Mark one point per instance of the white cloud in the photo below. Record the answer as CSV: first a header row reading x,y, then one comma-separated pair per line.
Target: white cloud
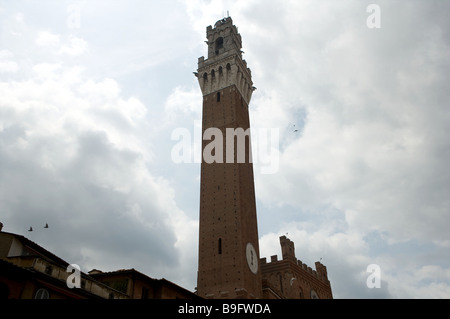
x,y
75,154
47,70
68,45
7,65
75,46
46,38
182,103
108,88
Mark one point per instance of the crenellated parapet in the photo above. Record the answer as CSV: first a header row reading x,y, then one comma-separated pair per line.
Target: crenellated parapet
x,y
320,272
291,278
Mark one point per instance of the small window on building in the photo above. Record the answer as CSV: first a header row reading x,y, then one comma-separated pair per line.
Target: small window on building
x,y
213,74
205,76
280,277
220,246
48,269
42,294
144,294
220,70
313,294
218,96
228,66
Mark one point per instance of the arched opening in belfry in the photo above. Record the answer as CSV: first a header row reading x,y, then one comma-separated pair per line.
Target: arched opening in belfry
x,y
219,44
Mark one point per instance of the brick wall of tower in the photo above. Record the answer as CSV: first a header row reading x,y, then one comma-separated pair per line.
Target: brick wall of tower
x,y
227,209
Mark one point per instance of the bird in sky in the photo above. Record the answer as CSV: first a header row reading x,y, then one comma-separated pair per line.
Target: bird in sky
x,y
46,225
31,229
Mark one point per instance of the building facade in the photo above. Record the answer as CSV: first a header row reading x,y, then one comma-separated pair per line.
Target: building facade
x,y
137,285
29,271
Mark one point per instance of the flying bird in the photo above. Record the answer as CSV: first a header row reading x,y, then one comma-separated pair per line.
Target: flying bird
x,y
31,229
46,225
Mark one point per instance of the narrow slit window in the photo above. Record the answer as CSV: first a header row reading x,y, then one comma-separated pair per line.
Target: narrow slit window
x,y
220,246
218,96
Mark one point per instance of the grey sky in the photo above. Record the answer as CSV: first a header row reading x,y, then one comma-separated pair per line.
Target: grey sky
x,y
91,91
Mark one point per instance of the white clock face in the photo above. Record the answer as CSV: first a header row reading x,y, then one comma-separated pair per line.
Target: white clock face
x,y
252,258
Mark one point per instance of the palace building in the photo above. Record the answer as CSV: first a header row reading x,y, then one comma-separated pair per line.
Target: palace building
x,y
229,265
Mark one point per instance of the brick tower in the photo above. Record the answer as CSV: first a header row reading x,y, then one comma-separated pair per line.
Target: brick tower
x,y
228,238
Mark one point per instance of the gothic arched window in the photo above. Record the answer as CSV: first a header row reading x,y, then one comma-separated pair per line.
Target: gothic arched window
x,y
219,44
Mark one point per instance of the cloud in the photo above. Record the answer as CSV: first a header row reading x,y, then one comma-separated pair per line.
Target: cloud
x,y
74,46
370,108
182,102
72,155
6,64
46,38
369,148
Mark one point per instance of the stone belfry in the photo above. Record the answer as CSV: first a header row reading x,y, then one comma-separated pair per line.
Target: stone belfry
x,y
228,264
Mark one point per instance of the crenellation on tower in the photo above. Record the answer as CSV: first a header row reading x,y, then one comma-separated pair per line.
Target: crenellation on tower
x,y
290,278
287,248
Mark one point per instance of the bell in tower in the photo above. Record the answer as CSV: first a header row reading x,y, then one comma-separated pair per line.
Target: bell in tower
x,y
224,38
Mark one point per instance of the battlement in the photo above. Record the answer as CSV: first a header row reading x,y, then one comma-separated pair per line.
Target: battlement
x,y
320,272
287,248
289,260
